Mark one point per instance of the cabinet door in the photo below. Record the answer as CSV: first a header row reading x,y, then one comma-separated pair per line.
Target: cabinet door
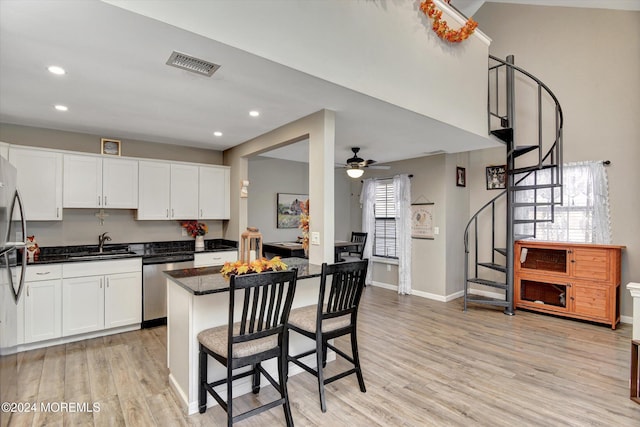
x,y
214,193
591,263
120,183
123,299
83,302
39,182
153,190
184,191
82,181
591,300
42,310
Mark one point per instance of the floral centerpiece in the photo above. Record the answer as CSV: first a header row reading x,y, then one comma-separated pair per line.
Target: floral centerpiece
x,y
195,228
304,225
257,266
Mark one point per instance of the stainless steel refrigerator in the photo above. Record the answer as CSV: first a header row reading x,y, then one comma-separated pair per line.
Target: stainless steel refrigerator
x,y
12,239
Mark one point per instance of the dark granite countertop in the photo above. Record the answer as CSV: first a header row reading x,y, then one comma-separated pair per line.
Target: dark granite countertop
x,y
81,253
208,280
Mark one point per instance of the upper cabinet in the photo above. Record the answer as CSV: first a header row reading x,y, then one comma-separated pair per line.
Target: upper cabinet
x,y
214,192
97,182
182,191
39,181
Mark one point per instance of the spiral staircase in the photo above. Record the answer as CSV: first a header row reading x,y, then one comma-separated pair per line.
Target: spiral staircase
x,y
533,182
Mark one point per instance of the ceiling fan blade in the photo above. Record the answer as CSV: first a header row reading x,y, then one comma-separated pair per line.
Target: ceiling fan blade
x,y
379,167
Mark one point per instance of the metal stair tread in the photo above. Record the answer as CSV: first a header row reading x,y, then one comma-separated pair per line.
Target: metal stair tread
x,y
534,187
501,251
505,135
493,266
523,149
516,171
486,282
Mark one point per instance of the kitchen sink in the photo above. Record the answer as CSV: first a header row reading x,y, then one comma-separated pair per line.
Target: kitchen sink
x,y
101,255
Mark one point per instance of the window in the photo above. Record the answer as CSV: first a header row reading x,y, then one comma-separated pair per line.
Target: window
x,y
384,244
583,216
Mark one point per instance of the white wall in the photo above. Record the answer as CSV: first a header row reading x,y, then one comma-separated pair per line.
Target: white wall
x,y
590,58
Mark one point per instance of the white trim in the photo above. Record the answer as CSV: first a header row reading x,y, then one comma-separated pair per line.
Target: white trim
x,y
79,337
422,294
626,319
460,20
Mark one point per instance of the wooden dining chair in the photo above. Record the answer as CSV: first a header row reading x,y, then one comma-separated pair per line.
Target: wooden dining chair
x,y
254,334
356,237
333,316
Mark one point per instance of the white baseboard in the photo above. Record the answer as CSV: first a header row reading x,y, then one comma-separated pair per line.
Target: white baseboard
x,y
79,337
422,294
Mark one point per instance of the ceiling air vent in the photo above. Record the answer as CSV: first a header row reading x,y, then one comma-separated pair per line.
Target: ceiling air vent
x,y
195,65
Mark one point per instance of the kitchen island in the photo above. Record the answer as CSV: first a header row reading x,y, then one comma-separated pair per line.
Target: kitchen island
x,y
197,299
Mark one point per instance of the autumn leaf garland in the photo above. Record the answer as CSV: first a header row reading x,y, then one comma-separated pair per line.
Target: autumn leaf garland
x,y
440,26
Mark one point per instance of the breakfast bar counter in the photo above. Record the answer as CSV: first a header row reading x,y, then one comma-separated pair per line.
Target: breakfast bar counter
x,y
197,299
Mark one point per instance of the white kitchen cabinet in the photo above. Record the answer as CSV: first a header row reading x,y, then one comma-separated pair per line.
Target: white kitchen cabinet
x,y
167,191
97,182
42,299
39,182
83,302
4,150
184,191
209,259
123,299
214,192
154,190
101,295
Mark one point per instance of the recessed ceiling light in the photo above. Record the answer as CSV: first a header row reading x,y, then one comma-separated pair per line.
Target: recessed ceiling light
x,y
61,107
254,113
56,70
217,133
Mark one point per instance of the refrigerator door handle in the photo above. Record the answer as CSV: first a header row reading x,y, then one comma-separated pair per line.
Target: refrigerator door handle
x,y
23,270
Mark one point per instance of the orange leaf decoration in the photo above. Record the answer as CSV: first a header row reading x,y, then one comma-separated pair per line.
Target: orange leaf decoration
x,y
441,28
257,266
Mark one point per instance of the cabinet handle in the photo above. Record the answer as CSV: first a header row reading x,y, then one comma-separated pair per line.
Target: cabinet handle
x,y
107,282
99,201
569,251
568,285
100,283
173,214
167,213
573,260
105,200
27,290
200,213
43,273
57,212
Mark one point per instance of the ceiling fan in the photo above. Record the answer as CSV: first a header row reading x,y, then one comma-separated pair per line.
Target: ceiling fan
x,y
355,165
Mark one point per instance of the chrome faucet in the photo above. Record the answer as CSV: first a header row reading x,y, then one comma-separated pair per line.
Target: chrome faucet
x,y
104,237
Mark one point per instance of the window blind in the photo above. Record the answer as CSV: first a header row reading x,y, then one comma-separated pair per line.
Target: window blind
x,y
385,216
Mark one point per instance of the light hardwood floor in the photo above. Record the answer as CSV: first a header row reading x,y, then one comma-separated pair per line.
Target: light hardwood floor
x,y
425,363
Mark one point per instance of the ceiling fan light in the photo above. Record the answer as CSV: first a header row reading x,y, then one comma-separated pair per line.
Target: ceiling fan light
x,y
355,172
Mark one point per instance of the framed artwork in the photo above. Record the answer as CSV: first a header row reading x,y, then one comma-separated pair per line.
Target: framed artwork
x,y
461,176
288,209
496,177
422,221
110,146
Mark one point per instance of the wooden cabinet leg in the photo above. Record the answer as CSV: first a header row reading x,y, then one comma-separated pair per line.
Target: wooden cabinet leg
x,y
635,372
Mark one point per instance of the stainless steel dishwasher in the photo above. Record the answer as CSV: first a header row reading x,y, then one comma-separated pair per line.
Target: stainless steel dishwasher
x,y
154,285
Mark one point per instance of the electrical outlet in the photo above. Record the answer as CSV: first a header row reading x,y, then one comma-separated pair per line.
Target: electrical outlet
x,y
184,232
436,230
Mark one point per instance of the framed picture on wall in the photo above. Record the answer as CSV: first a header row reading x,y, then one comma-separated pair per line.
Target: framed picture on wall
x,y
422,221
289,208
110,146
461,176
496,177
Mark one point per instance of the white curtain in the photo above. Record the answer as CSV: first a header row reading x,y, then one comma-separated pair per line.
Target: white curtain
x,y
402,191
583,216
368,200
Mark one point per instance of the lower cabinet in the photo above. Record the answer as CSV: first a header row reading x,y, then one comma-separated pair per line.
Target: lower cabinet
x,y
207,259
42,303
99,295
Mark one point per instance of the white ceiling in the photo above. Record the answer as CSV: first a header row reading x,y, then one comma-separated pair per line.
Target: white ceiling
x,y
117,85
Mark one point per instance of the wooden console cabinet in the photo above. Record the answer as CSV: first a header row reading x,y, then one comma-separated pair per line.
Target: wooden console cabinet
x,y
575,280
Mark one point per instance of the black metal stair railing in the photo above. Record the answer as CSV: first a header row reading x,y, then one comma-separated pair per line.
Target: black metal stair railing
x,y
520,179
